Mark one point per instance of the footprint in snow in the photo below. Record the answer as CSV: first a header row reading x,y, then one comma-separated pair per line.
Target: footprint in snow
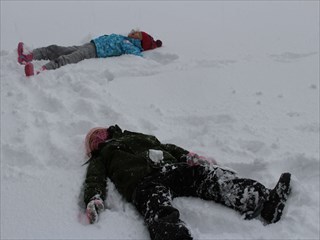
x,y
293,114
291,56
309,128
109,75
313,86
207,63
253,146
50,104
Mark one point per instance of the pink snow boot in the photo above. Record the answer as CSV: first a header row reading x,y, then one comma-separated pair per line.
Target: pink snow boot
x,y
29,70
24,56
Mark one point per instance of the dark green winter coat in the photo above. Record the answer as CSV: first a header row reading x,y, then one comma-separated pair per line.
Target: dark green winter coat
x,y
126,158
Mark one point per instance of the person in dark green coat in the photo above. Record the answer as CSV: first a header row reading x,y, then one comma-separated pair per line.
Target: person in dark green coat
x,y
149,174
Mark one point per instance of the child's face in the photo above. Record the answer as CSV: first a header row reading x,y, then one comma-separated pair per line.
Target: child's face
x,y
135,34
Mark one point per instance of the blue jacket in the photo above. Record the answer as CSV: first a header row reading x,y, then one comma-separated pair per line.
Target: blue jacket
x,y
116,45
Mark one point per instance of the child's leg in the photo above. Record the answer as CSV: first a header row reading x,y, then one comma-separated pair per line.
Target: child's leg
x,y
86,51
52,52
153,201
244,195
220,185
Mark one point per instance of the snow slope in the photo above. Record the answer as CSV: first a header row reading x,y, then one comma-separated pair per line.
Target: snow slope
x,y
237,81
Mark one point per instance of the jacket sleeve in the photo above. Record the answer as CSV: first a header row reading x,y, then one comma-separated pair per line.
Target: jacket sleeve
x,y
177,152
96,180
190,158
130,48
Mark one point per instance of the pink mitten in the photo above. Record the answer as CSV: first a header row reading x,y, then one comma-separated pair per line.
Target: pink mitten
x,y
94,208
194,159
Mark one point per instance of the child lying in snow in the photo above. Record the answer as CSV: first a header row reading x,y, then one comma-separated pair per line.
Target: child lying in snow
x,y
149,174
101,47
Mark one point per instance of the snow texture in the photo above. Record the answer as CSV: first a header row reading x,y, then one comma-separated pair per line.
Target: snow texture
x,y
236,80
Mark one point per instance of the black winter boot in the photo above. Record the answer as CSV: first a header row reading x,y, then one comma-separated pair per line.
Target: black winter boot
x,y
273,207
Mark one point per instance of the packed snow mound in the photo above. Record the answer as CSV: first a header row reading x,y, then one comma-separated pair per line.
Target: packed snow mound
x,y
258,124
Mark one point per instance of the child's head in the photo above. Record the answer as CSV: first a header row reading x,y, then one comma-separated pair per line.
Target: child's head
x,y
94,137
135,34
147,41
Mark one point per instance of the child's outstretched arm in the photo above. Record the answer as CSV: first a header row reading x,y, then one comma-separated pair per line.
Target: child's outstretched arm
x,y
186,156
95,188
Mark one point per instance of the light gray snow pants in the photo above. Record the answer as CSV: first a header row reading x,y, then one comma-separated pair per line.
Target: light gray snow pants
x,y
60,56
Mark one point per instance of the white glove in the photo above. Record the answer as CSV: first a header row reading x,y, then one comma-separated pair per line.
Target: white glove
x,y
94,208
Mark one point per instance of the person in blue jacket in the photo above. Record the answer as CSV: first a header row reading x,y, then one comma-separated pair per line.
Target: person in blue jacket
x,y
101,47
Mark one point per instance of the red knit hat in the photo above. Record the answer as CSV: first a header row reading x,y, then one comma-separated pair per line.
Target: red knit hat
x,y
148,42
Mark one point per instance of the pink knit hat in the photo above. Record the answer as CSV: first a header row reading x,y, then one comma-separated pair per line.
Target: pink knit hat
x,y
94,137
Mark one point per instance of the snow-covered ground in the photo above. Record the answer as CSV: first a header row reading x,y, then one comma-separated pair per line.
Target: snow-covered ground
x,y
235,80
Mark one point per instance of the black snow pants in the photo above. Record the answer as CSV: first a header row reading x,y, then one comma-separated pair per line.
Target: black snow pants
x,y
154,194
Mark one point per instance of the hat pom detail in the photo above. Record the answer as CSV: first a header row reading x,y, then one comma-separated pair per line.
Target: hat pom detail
x,y
159,43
